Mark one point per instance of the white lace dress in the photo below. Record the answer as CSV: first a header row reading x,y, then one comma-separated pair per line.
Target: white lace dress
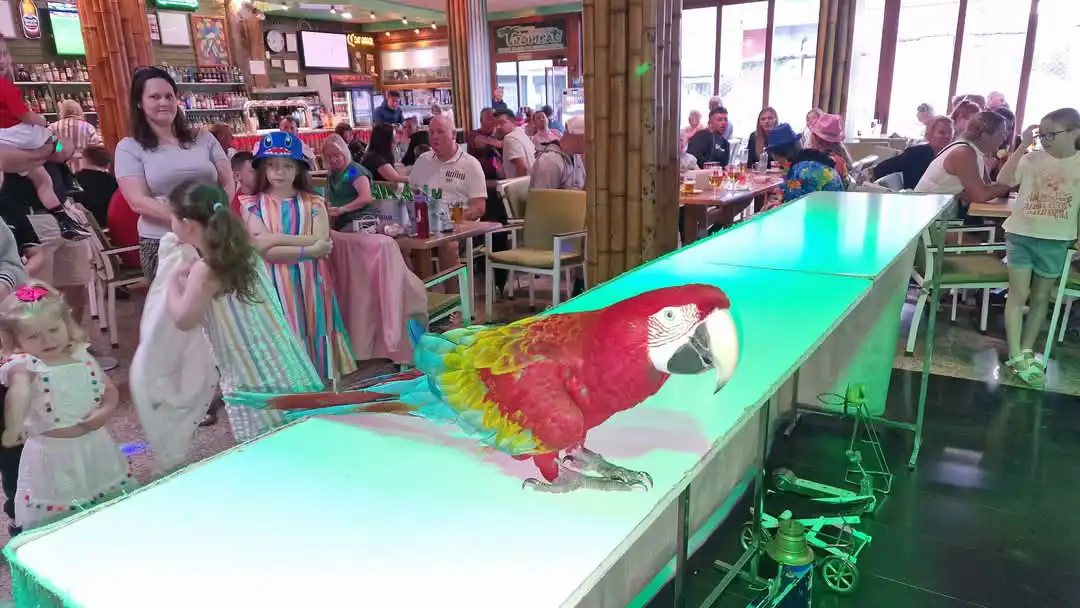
x,y
59,476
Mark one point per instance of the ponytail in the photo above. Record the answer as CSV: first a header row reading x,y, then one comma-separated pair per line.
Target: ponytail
x,y
228,250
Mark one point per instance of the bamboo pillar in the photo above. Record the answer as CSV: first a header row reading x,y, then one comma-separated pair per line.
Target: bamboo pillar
x,y
117,41
470,59
836,28
631,68
246,30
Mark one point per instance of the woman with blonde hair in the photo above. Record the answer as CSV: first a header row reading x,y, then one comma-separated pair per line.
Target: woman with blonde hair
x,y
348,184
766,121
960,168
73,128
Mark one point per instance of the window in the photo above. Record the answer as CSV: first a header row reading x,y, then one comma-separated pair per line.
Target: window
x,y
698,59
1055,69
506,76
994,35
743,28
794,55
865,61
924,46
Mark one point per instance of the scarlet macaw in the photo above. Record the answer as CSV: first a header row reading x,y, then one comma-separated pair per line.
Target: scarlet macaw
x,y
534,388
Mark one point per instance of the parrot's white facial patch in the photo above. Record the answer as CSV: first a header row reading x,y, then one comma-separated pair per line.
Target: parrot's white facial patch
x,y
669,330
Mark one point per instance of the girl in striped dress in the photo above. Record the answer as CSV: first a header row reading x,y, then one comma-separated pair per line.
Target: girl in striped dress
x,y
228,291
291,230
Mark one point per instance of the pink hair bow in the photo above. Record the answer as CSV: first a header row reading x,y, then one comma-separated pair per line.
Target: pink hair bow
x,y
31,294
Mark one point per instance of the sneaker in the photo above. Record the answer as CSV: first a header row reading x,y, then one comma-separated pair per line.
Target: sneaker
x,y
69,228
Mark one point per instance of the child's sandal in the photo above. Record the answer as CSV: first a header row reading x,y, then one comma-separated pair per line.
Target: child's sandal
x,y
1020,366
1033,362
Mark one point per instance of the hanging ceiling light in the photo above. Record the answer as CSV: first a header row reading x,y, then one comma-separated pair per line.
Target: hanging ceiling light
x,y
404,21
333,9
372,15
346,15
433,26
416,31
387,33
284,6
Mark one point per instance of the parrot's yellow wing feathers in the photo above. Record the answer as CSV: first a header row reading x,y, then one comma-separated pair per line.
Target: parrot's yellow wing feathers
x,y
497,351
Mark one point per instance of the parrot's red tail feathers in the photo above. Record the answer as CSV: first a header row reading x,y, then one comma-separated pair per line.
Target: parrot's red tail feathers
x,y
315,401
386,407
369,382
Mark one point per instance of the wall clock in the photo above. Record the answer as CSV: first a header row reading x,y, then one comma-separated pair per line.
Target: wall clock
x,y
275,41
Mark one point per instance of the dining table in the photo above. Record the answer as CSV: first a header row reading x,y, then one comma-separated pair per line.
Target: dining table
x,y
421,250
709,206
997,208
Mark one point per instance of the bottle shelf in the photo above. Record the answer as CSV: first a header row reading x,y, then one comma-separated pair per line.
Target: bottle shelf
x,y
50,83
190,110
211,84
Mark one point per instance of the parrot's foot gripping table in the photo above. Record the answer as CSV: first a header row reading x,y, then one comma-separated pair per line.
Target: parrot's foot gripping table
x,y
373,510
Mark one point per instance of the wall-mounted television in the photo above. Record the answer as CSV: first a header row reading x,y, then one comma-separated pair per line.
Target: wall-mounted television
x,y
323,50
66,29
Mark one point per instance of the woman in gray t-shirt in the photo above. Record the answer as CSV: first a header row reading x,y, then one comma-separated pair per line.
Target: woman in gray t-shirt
x,y
162,153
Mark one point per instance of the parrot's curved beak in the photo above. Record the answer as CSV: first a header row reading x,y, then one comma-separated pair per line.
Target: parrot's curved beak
x,y
723,344
714,344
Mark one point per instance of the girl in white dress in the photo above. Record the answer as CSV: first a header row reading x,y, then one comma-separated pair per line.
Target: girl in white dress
x,y
58,402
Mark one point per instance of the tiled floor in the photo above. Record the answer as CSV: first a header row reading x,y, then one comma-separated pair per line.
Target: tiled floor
x,y
985,521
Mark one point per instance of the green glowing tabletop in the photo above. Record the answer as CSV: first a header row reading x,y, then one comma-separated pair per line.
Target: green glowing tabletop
x,y
847,233
379,510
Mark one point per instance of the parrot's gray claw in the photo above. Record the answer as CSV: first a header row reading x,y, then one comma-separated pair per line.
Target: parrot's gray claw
x,y
570,479
591,463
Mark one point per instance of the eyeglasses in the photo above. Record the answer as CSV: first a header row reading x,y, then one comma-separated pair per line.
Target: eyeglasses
x,y
1050,135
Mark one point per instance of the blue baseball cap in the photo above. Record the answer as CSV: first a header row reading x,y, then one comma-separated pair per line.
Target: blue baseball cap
x,y
279,144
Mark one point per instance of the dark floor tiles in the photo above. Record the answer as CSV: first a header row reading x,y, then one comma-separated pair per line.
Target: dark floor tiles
x,y
987,519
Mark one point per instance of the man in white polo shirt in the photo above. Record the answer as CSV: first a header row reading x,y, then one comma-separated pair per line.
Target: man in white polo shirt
x,y
518,151
458,174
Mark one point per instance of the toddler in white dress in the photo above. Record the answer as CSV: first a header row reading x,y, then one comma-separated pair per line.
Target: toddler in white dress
x,y
58,402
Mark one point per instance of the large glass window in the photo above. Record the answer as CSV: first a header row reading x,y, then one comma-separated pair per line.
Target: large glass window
x,y
698,59
865,61
994,35
1055,69
794,54
924,50
506,76
743,29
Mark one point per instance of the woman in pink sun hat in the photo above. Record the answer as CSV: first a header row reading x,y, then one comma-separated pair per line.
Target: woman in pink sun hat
x,y
827,135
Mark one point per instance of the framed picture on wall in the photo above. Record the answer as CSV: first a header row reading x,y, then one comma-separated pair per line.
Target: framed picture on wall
x,y
174,28
211,43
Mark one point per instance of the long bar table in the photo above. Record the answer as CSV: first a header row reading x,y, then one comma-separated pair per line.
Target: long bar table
x,y
384,510
390,511
877,236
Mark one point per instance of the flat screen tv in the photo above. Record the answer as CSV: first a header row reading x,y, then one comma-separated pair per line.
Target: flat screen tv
x,y
323,50
66,30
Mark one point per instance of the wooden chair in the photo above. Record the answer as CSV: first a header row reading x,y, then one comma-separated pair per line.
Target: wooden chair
x,y
109,274
962,267
553,240
442,305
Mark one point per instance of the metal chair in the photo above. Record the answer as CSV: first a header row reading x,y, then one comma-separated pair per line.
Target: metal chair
x,y
962,267
109,274
554,242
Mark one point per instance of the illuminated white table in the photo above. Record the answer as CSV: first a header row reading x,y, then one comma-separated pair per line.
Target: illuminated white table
x,y
389,511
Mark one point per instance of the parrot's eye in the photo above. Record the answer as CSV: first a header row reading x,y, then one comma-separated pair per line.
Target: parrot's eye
x,y
669,315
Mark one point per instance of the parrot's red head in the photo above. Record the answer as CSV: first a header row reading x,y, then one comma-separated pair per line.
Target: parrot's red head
x,y
688,329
